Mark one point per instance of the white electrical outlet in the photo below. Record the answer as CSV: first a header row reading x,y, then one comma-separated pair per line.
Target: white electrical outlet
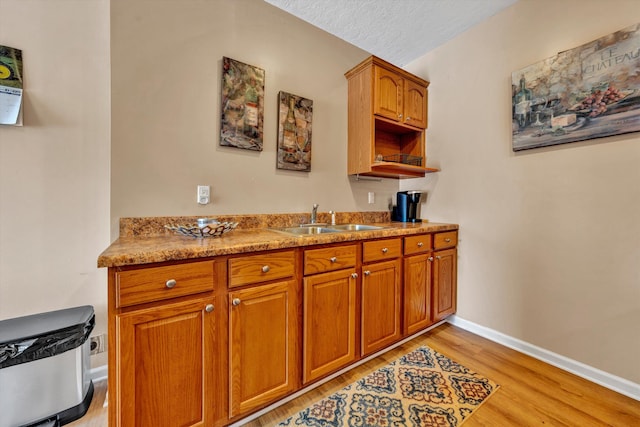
x,y
372,197
98,344
204,193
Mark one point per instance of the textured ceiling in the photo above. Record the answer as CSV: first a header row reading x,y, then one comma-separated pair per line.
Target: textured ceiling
x,y
398,31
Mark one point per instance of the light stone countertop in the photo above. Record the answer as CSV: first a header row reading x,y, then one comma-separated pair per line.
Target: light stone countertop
x,y
145,240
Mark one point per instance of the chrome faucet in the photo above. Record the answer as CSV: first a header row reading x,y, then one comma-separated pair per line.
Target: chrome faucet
x,y
314,213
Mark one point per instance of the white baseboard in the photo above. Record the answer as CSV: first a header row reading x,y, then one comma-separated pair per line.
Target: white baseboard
x,y
615,383
98,373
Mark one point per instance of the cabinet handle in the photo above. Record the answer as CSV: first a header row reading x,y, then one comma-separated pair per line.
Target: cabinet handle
x,y
333,259
171,283
407,119
399,116
430,258
265,269
208,308
447,240
420,244
236,301
385,250
438,257
367,272
354,275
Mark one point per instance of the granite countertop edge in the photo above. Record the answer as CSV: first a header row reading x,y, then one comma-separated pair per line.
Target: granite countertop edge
x,y
134,249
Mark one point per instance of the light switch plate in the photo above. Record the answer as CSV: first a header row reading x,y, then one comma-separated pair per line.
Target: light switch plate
x,y
372,197
204,193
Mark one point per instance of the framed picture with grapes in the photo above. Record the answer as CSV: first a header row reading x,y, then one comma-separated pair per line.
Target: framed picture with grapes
x,y
242,111
592,91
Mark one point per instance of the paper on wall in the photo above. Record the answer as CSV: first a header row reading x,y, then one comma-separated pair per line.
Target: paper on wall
x,y
10,86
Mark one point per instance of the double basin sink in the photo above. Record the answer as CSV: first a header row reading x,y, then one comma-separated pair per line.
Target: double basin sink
x,y
312,230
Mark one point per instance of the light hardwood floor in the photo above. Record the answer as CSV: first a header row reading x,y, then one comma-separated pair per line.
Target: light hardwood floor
x,y
531,392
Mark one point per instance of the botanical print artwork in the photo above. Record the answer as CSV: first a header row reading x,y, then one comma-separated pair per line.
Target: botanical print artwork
x,y
242,105
588,92
294,132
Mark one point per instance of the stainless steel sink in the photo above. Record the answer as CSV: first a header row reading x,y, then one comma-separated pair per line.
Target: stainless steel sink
x,y
312,230
306,231
356,227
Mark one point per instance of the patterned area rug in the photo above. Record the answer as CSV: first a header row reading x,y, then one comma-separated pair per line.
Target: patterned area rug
x,y
422,388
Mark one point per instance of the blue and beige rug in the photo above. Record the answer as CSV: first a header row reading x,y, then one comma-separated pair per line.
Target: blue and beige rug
x,y
422,388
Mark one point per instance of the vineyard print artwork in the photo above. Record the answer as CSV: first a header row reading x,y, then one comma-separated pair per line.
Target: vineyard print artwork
x,y
591,91
242,105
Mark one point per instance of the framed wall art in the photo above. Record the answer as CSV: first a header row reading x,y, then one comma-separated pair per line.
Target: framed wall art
x,y
242,105
294,132
591,91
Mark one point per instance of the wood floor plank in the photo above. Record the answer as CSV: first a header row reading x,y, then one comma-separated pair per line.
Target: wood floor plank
x,y
531,393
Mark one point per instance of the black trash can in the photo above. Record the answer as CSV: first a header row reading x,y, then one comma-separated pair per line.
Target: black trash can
x,y
44,367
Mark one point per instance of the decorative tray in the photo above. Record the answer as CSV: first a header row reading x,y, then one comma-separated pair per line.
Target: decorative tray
x,y
204,228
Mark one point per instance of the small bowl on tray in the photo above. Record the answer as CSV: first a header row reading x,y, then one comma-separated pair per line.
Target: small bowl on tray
x,y
205,227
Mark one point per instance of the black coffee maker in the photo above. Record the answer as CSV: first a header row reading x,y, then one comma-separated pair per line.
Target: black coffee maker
x,y
406,208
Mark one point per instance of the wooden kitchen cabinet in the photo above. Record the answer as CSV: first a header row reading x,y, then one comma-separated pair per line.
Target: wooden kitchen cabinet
x,y
164,335
329,310
380,296
387,118
417,284
164,361
444,283
430,286
263,329
400,98
263,362
380,305
207,342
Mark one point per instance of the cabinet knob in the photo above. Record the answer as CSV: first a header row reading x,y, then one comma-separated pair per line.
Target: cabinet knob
x,y
236,301
438,257
208,308
333,259
265,269
385,250
448,240
354,275
420,244
430,258
407,119
367,272
399,116
171,283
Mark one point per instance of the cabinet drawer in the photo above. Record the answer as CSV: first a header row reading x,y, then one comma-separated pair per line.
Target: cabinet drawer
x,y
445,240
381,249
159,283
417,244
329,259
260,268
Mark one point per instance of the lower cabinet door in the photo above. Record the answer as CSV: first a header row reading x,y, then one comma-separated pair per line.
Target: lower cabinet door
x,y
165,361
262,345
444,284
329,331
380,305
417,293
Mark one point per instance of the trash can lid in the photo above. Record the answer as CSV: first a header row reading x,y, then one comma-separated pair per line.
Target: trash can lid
x,y
35,325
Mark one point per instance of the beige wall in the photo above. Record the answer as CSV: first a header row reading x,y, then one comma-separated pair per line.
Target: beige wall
x,y
550,238
166,72
54,171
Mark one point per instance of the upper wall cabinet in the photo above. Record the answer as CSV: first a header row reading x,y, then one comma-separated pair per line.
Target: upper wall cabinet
x,y
400,99
387,121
